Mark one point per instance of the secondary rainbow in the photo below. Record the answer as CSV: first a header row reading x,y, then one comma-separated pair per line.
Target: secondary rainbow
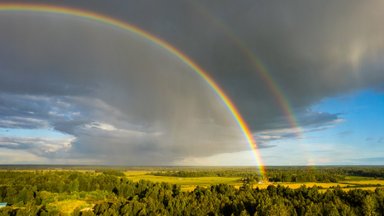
x,y
43,8
273,87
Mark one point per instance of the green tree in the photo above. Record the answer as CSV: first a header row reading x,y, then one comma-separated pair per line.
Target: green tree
x,y
369,206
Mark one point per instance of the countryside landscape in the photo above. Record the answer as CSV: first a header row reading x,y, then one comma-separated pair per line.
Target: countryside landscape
x,y
192,107
85,190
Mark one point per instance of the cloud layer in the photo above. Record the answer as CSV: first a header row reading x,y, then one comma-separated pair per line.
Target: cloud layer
x,y
121,97
114,96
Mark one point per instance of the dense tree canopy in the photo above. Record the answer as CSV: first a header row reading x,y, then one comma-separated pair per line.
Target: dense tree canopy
x,y
29,192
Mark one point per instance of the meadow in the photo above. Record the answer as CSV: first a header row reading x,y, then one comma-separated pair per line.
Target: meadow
x,y
186,183
190,183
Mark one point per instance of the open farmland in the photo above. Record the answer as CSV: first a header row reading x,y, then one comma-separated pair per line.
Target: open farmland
x,y
186,183
190,183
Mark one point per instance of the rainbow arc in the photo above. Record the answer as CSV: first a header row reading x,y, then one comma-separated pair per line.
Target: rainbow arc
x,y
100,18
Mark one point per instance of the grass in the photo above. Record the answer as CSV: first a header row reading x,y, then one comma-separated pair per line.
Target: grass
x,y
186,183
66,203
66,207
189,183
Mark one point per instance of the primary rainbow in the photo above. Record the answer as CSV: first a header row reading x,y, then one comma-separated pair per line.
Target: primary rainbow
x,y
43,8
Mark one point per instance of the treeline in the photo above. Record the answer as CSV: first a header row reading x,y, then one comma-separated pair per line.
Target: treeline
x,y
55,181
366,172
322,174
306,175
299,175
282,174
29,193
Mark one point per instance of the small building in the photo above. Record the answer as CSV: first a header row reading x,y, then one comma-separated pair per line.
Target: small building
x,y
3,204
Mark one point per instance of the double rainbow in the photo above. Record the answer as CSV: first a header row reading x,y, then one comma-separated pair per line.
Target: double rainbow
x,y
100,18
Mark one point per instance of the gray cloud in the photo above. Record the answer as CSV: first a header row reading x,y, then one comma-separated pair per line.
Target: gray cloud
x,y
312,50
20,122
46,147
313,122
79,77
125,100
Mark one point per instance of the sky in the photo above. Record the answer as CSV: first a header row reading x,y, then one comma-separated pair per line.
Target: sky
x,y
306,76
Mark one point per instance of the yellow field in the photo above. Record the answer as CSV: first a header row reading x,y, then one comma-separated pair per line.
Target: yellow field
x,y
186,183
366,182
189,183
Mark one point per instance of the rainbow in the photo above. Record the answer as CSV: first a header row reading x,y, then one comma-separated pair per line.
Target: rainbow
x,y
100,18
259,67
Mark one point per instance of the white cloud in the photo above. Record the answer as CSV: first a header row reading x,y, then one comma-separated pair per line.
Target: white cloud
x,y
100,126
41,146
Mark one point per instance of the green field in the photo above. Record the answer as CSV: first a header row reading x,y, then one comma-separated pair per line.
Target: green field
x,y
190,183
186,183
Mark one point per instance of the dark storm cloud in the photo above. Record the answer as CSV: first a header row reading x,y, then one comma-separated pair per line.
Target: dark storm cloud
x,y
305,118
314,122
312,50
122,99
314,119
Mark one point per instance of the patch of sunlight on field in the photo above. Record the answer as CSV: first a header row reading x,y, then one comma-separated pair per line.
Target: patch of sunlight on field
x,y
366,182
345,185
190,183
66,207
135,173
186,183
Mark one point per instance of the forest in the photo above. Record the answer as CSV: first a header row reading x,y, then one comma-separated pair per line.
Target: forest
x,y
107,191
